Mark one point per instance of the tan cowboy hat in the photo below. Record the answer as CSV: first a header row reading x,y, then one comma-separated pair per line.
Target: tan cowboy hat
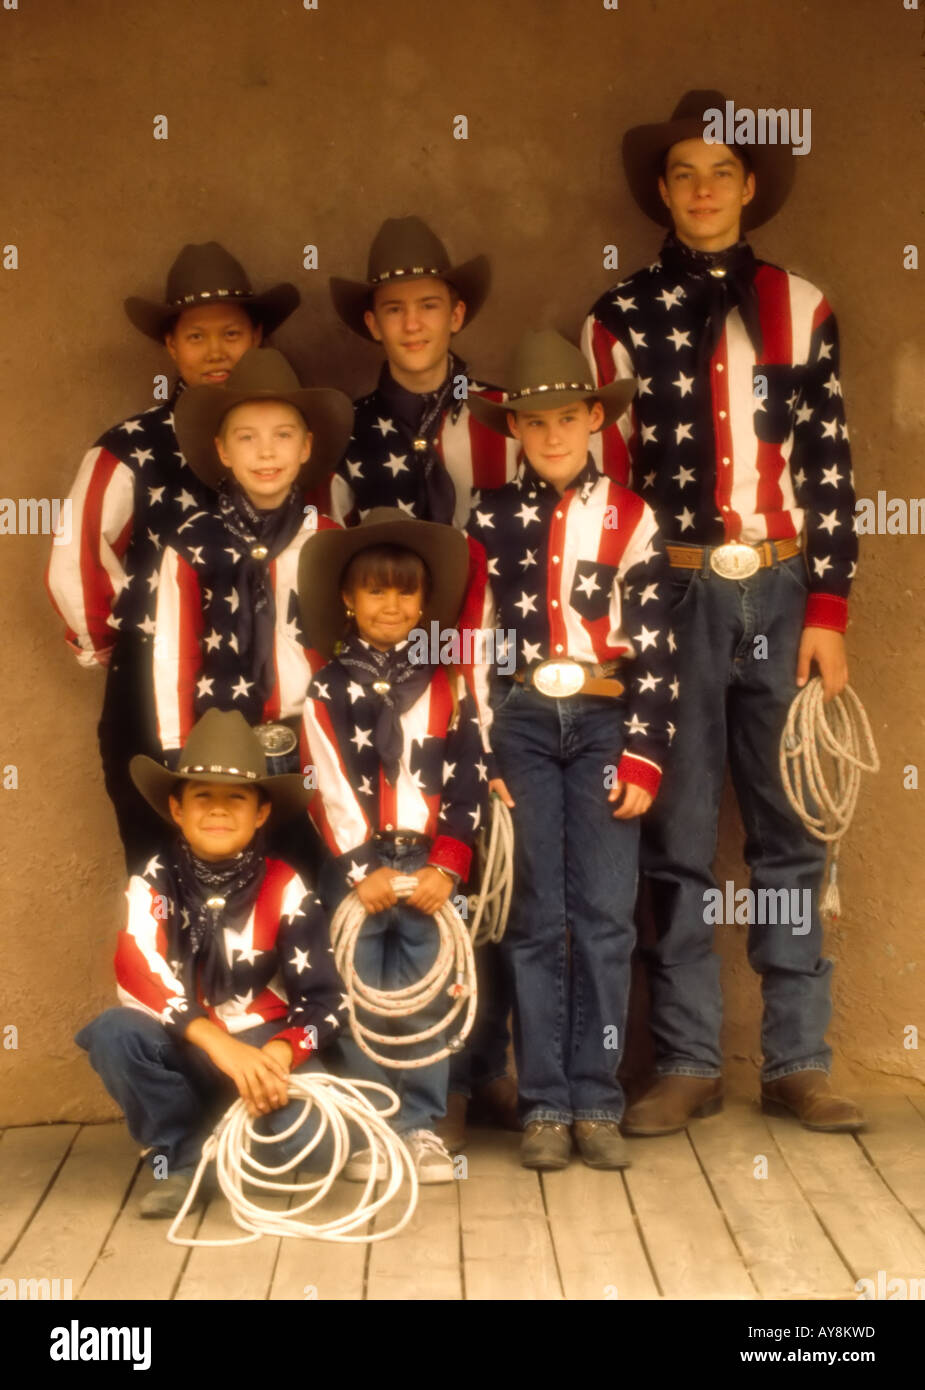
x,y
208,274
222,747
548,372
405,248
262,374
322,563
645,146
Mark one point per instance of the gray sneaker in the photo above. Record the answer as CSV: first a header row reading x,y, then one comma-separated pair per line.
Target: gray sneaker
x,y
601,1144
432,1162
168,1195
545,1145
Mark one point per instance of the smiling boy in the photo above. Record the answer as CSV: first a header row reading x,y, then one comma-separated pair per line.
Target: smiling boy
x,y
738,440
131,493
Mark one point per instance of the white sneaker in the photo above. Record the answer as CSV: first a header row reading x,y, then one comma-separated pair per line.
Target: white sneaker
x,y
359,1167
430,1156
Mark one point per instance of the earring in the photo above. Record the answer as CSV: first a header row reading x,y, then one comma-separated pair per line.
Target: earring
x,y
350,613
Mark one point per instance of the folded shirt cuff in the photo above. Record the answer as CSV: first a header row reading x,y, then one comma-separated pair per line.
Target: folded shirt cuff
x,y
640,772
451,854
826,610
301,1040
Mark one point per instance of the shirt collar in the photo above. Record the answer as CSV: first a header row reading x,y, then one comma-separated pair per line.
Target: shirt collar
x,y
408,405
583,482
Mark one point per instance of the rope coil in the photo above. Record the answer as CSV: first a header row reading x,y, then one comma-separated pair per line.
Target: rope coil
x,y
841,730
339,1102
494,847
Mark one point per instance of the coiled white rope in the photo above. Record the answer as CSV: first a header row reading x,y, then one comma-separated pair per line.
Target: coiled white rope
x,y
841,730
338,1103
494,846
452,972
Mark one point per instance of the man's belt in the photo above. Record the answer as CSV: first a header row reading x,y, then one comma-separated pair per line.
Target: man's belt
x,y
403,838
735,559
279,739
561,677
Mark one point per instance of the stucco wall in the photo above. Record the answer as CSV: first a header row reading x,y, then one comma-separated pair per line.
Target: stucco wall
x,y
289,126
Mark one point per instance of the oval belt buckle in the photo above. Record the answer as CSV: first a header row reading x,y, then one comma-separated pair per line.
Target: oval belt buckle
x,y
276,739
559,678
734,560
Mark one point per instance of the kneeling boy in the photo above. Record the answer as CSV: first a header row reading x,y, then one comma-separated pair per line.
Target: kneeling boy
x,y
577,570
224,971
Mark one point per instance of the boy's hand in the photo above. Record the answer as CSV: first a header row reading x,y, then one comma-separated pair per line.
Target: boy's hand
x,y
827,649
432,891
635,802
498,786
281,1050
375,891
261,1078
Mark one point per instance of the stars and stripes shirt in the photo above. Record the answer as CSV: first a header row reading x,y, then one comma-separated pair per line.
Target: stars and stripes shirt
x,y
133,489
379,468
442,782
197,662
281,962
584,576
745,448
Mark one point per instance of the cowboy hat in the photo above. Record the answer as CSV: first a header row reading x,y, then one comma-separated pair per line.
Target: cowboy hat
x,y
548,372
222,747
405,248
323,561
645,146
208,274
262,374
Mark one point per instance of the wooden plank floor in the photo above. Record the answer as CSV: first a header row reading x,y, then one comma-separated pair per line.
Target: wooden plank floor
x,y
738,1206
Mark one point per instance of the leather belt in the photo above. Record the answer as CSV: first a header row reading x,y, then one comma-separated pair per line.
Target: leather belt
x,y
562,677
735,559
402,838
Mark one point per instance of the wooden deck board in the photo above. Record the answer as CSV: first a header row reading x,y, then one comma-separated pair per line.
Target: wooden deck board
x,y
422,1262
895,1144
594,1234
29,1159
137,1263
506,1246
230,1272
324,1270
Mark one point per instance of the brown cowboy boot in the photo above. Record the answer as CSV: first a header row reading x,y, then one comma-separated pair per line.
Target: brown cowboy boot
x,y
496,1103
808,1095
452,1128
668,1105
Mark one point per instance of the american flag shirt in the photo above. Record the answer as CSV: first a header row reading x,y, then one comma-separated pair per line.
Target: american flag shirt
x,y
715,457
281,962
379,468
197,664
584,575
132,491
442,783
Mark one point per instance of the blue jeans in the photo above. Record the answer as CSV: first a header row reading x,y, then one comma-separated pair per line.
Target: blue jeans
x,y
484,1057
172,1095
733,702
396,948
570,934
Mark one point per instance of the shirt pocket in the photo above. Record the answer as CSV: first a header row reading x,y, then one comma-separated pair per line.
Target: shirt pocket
x,y
776,389
592,587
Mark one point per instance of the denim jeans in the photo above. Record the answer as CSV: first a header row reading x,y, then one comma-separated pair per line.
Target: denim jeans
x,y
733,701
396,948
484,1057
171,1093
570,934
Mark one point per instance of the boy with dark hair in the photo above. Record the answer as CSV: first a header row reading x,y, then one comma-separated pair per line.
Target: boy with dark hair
x,y
132,492
739,442
225,976
577,572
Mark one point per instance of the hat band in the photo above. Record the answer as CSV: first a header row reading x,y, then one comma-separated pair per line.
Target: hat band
x,y
217,767
209,294
406,270
552,386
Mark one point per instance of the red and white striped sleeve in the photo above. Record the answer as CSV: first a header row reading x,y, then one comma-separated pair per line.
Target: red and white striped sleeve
x,y
612,449
177,663
85,574
144,978
335,808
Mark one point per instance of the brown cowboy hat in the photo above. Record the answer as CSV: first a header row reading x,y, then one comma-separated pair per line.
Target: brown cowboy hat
x,y
322,563
405,248
262,374
546,373
222,747
645,146
208,274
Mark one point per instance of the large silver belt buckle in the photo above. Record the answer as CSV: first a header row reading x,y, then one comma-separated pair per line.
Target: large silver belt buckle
x,y
559,678
276,740
734,560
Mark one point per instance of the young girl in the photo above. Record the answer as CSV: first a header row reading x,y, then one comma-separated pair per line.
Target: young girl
x,y
396,755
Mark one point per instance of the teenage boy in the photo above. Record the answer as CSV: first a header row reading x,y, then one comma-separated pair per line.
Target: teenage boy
x,y
225,976
739,442
131,493
579,733
397,758
417,446
226,628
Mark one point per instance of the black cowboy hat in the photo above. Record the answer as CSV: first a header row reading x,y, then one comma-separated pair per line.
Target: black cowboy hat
x,y
405,248
322,563
546,373
262,374
208,274
222,747
645,146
